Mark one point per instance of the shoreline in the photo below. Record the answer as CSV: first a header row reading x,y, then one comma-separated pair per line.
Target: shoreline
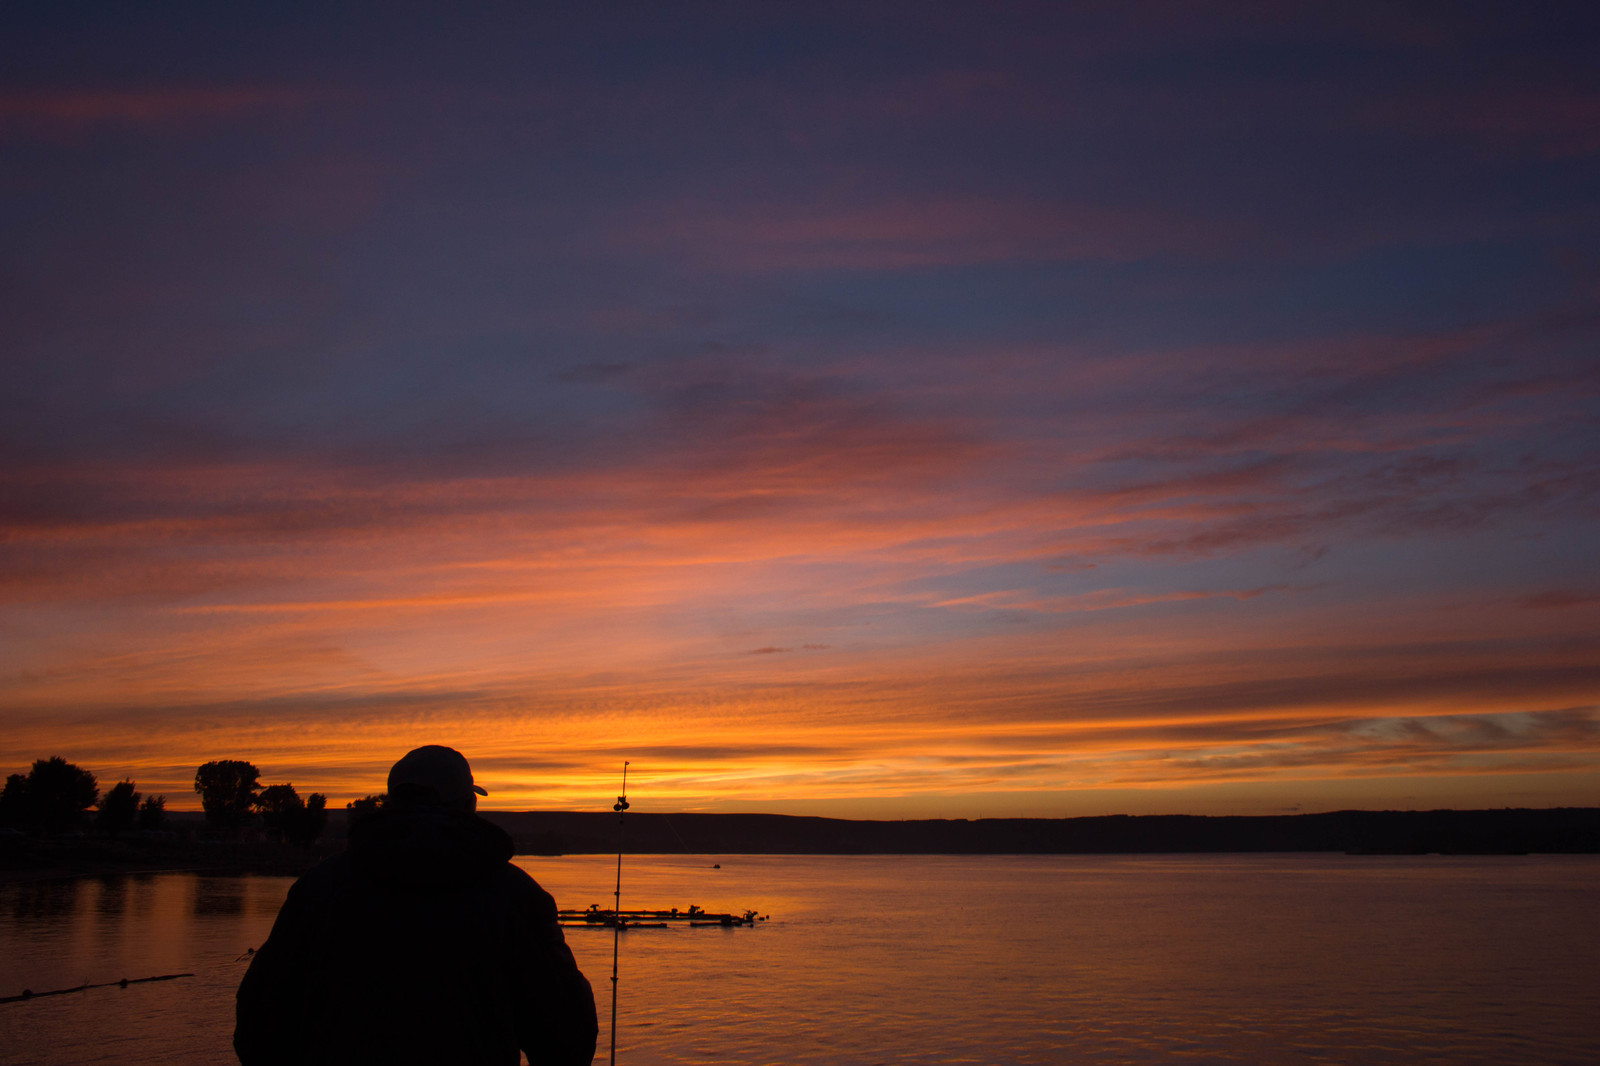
x,y
1508,832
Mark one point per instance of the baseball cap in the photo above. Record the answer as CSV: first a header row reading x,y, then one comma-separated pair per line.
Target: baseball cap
x,y
442,769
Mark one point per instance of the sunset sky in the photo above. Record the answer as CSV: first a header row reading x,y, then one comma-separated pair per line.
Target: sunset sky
x,y
876,410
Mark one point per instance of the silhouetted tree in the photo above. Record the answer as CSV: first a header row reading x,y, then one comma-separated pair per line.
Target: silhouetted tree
x,y
278,804
227,790
13,802
118,808
298,821
153,813
364,807
51,799
311,821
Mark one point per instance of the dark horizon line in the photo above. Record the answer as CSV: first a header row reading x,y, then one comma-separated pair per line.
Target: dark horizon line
x,y
633,812
1502,831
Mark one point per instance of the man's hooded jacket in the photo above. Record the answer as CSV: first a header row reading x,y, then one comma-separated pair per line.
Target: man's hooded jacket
x,y
421,943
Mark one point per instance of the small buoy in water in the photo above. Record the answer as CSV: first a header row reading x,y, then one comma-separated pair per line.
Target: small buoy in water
x,y
123,983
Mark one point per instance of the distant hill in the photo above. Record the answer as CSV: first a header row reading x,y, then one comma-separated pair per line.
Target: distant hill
x,y
1507,831
187,846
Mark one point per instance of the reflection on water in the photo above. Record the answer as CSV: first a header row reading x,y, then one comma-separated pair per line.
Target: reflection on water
x,y
214,900
927,959
63,933
43,900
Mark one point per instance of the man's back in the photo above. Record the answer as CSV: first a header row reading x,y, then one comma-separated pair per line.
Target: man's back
x,y
421,943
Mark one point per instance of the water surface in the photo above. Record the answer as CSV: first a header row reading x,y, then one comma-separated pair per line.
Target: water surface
x,y
928,959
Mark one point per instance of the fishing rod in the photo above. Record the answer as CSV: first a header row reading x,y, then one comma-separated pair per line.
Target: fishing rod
x,y
616,909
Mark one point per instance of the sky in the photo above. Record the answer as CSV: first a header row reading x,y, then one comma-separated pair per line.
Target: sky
x,y
871,410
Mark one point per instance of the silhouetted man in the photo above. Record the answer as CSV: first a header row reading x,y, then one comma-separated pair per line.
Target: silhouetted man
x,y
420,943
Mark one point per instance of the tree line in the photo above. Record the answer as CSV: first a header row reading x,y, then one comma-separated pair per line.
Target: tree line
x,y
56,796
232,797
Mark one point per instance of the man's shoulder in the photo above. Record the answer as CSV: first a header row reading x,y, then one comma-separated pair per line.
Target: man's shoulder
x,y
323,879
524,892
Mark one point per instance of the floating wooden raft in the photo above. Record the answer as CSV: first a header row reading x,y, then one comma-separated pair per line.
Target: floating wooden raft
x,y
597,918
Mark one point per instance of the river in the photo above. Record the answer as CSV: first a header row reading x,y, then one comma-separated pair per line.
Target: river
x,y
926,959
